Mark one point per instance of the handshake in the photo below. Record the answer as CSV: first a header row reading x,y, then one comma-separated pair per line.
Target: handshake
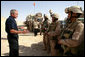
x,y
23,30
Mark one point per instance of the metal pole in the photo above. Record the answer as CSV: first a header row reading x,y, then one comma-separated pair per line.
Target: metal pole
x,y
34,9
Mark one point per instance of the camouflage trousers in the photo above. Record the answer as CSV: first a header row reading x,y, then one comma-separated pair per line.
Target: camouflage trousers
x,y
53,50
46,42
51,45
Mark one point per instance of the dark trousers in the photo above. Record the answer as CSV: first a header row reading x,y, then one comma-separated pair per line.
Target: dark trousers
x,y
36,31
13,47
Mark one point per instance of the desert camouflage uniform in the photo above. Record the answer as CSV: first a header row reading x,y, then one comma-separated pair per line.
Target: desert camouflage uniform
x,y
73,37
72,34
53,32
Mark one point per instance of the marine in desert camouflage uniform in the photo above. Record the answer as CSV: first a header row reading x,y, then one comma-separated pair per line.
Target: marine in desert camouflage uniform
x,y
72,38
53,32
45,25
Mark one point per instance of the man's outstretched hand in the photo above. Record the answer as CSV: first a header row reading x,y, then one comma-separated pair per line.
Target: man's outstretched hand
x,y
25,31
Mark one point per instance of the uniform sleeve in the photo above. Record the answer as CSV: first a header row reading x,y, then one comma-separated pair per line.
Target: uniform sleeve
x,y
78,31
70,42
74,41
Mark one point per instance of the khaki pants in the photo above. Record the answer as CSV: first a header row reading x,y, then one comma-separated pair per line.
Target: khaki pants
x,y
53,50
47,43
44,40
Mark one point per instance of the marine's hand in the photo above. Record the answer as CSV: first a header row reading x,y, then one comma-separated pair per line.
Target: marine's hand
x,y
60,42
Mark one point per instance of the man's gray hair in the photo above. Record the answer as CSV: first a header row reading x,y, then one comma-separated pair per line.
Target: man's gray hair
x,y
12,11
